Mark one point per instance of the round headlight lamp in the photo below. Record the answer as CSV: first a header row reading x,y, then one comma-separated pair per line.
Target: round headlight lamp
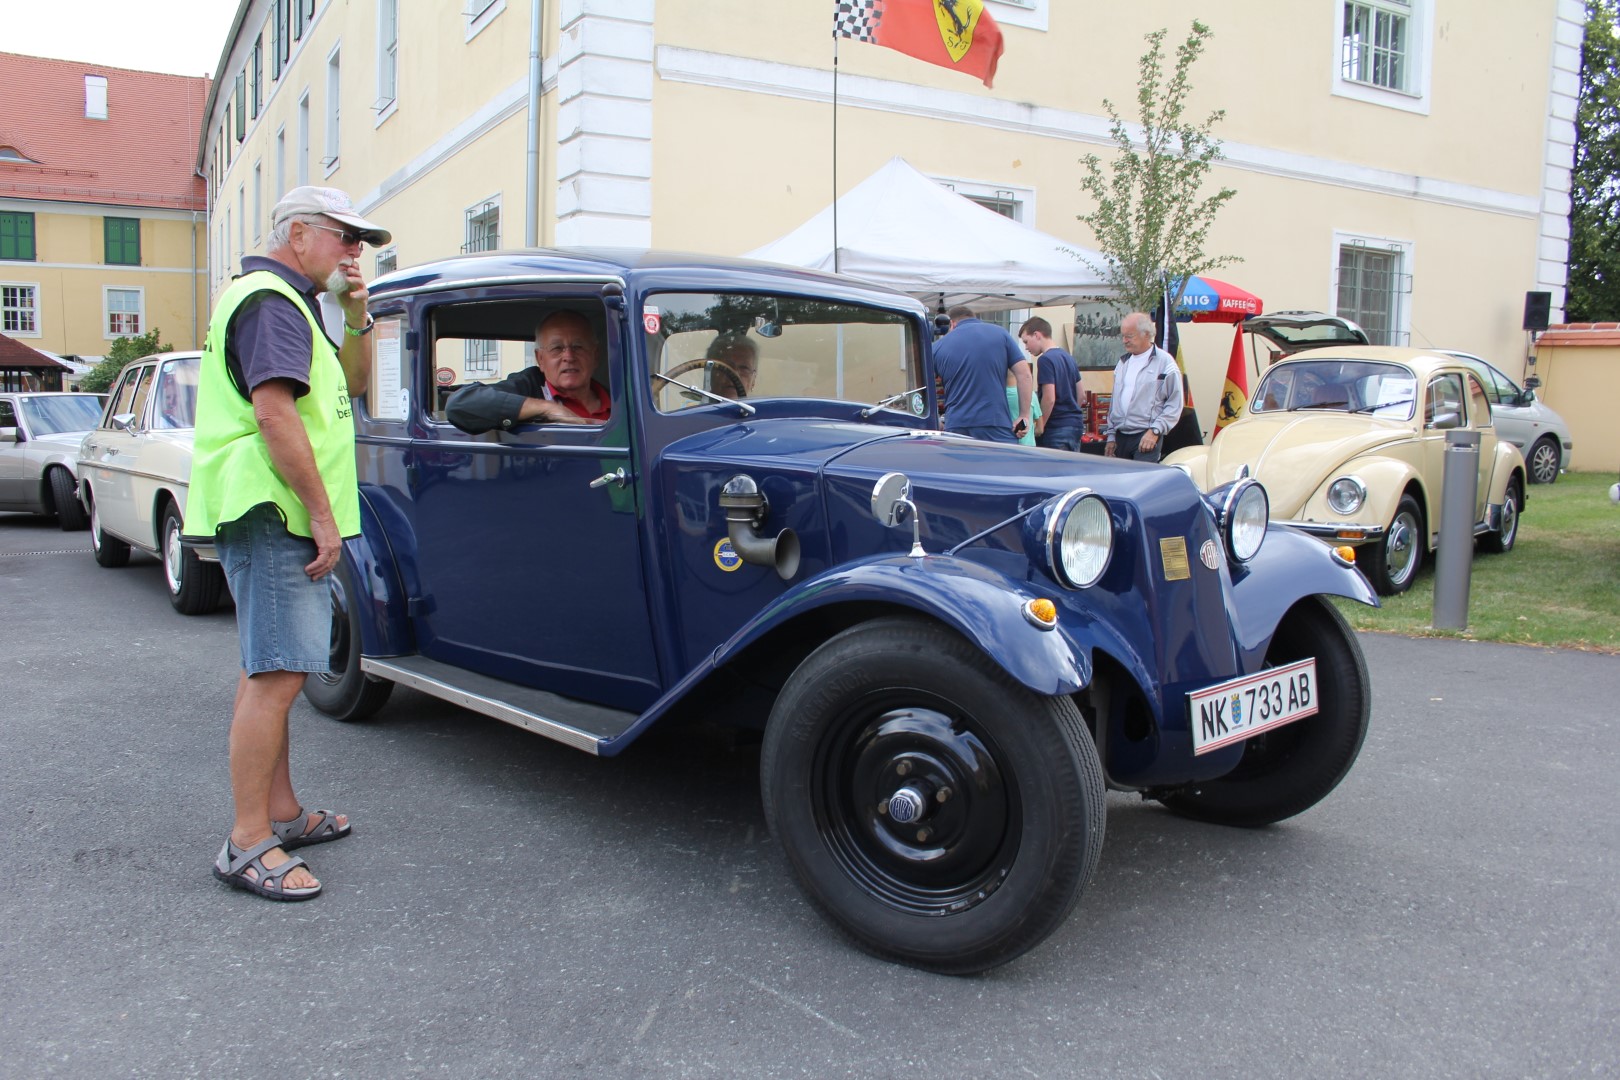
x,y
1080,539
1345,495
1244,515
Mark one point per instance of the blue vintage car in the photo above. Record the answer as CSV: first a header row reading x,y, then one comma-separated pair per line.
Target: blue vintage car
x,y
953,648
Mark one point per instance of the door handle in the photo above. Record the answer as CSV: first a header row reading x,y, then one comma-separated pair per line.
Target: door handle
x,y
617,477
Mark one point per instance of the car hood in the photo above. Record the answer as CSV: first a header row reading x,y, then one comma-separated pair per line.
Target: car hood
x,y
67,441
1293,453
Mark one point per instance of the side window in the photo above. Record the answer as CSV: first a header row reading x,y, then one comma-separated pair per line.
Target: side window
x,y
493,341
123,400
176,395
143,390
8,415
1445,406
388,393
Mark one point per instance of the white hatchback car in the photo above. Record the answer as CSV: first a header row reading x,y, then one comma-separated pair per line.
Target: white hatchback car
x,y
135,470
1540,434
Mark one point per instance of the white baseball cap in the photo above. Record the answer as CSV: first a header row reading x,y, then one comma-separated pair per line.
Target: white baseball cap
x,y
334,204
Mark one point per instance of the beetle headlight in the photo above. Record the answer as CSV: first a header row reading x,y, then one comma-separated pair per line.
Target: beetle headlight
x,y
1345,495
1080,539
1243,517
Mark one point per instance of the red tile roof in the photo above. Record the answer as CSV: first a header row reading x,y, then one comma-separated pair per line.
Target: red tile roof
x,y
14,354
143,154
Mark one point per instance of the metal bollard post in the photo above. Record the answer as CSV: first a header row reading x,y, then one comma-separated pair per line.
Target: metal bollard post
x,y
1454,556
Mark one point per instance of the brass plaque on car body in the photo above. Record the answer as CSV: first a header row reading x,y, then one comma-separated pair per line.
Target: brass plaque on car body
x,y
1173,550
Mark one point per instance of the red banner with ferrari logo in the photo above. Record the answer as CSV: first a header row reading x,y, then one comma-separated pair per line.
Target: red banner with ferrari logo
x,y
955,34
1235,395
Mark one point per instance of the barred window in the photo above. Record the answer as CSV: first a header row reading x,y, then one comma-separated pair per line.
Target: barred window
x,y
1372,284
483,227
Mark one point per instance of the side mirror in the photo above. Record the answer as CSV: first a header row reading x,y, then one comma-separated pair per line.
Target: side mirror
x,y
8,435
1526,396
892,505
123,421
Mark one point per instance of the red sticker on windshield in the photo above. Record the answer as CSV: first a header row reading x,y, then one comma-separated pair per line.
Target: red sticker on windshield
x,y
650,320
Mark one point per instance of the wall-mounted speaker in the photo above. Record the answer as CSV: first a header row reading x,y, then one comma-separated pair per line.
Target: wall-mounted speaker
x,y
1537,308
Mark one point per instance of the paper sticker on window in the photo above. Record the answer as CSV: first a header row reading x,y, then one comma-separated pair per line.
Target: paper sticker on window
x,y
650,320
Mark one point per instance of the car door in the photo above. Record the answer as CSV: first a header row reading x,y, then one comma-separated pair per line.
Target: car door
x,y
527,539
12,493
115,446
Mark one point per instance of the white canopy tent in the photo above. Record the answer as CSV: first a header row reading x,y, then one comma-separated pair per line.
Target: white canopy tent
x,y
901,229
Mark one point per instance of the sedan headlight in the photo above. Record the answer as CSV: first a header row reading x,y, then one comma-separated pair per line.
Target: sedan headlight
x,y
1244,512
1345,495
1079,539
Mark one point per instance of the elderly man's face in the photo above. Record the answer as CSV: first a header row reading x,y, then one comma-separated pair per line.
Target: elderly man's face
x,y
1136,339
566,351
742,360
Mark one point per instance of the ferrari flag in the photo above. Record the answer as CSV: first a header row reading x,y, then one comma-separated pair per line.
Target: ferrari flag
x,y
1235,398
955,34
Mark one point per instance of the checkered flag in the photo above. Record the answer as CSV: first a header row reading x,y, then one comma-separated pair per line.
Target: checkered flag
x,y
856,19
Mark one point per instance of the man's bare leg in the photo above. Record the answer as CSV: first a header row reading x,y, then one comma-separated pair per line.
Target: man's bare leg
x,y
259,766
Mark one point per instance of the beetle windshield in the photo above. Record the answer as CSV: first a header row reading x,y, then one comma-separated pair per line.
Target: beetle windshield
x,y
67,412
1328,385
750,346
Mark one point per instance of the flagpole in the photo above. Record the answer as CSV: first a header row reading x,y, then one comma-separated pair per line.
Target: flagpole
x,y
835,151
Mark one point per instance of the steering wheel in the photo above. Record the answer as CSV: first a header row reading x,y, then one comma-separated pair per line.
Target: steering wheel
x,y
719,366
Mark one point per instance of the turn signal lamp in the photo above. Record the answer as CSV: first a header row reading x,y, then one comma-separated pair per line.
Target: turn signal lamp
x,y
1042,613
1345,554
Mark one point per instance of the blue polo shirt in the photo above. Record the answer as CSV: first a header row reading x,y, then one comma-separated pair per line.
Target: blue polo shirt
x,y
974,359
269,337
1057,369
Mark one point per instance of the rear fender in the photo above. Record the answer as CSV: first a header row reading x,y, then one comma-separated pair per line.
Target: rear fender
x,y
982,605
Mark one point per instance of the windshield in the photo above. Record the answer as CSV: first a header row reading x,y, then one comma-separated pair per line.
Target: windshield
x,y
58,413
751,347
1328,385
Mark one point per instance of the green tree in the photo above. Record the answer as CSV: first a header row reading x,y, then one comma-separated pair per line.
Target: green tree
x,y
101,377
1594,215
1149,217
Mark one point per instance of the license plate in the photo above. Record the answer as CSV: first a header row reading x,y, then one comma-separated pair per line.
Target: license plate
x,y
1240,708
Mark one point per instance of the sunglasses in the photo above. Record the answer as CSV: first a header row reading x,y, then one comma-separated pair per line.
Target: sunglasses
x,y
350,238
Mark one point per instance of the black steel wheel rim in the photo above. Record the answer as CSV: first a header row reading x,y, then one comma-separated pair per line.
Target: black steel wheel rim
x,y
341,639
913,802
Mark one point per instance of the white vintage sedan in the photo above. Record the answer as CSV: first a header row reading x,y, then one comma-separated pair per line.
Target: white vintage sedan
x,y
135,470
38,436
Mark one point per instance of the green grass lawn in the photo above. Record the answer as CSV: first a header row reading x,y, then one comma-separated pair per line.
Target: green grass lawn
x,y
1560,585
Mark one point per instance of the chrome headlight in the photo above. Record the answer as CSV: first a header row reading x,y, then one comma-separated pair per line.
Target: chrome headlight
x,y
1079,539
1243,517
1345,495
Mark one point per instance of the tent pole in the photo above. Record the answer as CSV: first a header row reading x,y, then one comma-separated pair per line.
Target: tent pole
x,y
835,152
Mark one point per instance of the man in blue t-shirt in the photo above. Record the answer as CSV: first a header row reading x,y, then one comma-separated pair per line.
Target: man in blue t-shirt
x,y
1058,379
974,359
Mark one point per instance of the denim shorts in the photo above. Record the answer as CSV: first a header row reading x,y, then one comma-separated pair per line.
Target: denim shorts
x,y
283,619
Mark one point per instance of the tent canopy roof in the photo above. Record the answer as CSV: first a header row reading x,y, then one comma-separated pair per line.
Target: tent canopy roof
x,y
901,229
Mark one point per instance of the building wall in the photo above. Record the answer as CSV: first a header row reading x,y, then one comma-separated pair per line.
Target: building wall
x,y
703,126
1579,368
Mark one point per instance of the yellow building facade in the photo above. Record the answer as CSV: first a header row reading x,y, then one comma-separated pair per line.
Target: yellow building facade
x,y
1402,162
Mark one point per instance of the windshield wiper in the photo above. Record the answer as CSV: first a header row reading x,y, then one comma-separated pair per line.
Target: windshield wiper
x,y
1383,405
698,392
866,413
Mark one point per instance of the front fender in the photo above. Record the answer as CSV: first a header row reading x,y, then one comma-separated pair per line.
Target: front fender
x,y
1291,567
1386,480
385,625
982,605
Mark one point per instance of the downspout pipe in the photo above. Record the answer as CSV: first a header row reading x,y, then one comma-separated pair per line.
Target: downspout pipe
x,y
531,184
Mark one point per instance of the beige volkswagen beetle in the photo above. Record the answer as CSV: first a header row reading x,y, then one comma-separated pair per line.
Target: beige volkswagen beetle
x,y
1350,443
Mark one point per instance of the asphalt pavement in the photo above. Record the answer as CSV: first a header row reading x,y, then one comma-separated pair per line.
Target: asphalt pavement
x,y
509,907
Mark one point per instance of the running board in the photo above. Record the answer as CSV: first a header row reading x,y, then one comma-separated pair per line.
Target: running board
x,y
573,723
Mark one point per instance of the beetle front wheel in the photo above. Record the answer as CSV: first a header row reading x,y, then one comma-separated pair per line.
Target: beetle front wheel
x,y
938,812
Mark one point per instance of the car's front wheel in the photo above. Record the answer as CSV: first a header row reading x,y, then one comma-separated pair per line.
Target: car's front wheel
x,y
69,514
345,692
1501,541
1544,458
1291,768
109,550
1393,562
194,585
938,812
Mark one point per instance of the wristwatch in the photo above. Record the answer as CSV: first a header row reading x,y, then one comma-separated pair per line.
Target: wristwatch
x,y
363,331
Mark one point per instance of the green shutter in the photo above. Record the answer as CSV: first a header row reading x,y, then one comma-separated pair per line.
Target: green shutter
x,y
123,237
17,237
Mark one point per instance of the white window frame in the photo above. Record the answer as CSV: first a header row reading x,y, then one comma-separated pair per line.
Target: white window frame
x,y
1030,14
258,201
241,222
387,60
1022,200
334,112
475,214
388,255
32,308
281,164
1419,57
1401,317
107,330
304,148
479,14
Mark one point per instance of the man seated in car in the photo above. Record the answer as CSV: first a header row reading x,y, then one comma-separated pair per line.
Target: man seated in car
x,y
562,389
737,353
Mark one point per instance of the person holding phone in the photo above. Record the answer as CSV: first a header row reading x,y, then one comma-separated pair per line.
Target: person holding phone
x,y
1147,394
974,359
273,488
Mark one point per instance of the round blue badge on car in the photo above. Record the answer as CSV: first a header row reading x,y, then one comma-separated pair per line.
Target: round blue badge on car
x,y
724,557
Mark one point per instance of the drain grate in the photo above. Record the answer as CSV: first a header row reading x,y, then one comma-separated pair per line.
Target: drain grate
x,y
59,551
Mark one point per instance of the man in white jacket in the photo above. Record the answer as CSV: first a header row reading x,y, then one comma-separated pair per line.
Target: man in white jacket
x,y
1147,394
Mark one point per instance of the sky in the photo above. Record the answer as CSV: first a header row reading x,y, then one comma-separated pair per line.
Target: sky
x,y
181,37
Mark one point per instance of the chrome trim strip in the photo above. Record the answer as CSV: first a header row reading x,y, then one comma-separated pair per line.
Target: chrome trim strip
x,y
500,710
461,284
